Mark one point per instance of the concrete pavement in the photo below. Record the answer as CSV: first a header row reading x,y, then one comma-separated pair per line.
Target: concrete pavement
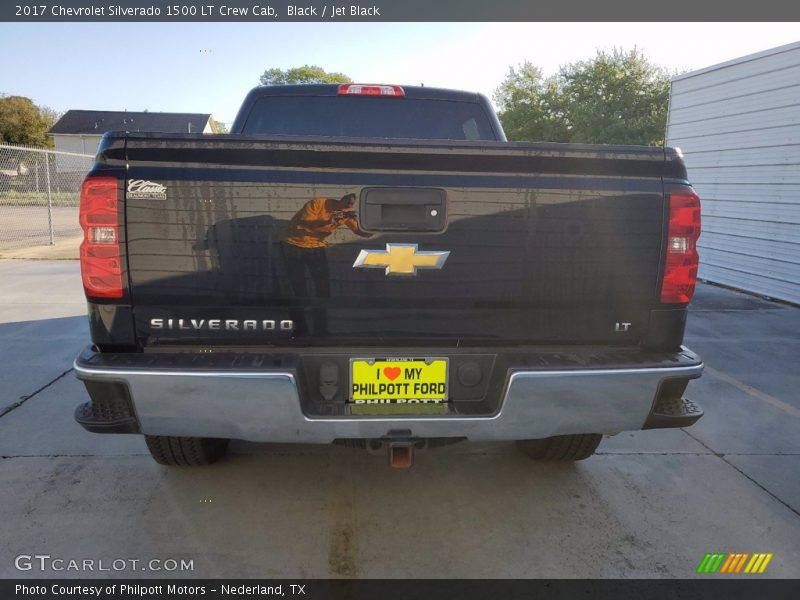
x,y
64,248
650,504
28,227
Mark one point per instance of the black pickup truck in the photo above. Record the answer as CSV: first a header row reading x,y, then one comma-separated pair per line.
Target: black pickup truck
x,y
377,266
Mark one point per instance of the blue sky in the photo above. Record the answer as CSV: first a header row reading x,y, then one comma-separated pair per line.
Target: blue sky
x,y
160,67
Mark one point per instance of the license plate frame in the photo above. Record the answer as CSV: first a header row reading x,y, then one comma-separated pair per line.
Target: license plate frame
x,y
380,363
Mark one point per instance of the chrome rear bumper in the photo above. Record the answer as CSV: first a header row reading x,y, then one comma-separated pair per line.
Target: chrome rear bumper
x,y
265,406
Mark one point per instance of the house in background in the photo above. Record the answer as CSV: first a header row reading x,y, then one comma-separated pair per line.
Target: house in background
x,y
738,125
80,130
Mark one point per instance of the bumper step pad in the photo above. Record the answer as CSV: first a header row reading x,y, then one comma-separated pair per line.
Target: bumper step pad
x,y
674,412
105,415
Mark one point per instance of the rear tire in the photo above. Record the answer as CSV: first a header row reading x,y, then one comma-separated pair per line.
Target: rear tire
x,y
185,451
562,447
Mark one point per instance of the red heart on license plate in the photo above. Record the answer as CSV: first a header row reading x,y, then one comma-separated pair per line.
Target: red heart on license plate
x,y
391,372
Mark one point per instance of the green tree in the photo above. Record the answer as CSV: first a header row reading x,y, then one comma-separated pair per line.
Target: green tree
x,y
531,106
617,97
304,74
22,122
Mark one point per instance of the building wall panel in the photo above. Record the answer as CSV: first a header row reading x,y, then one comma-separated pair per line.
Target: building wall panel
x,y
738,125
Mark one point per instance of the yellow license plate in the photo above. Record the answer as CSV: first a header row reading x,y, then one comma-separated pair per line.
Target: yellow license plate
x,y
398,380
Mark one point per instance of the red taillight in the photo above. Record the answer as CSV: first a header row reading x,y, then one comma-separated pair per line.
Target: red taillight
x,y
371,89
680,271
101,266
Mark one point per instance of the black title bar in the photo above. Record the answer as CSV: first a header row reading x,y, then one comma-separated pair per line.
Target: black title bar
x,y
271,11
382,589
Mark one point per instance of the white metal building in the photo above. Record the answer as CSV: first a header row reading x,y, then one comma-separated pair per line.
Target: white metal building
x,y
738,125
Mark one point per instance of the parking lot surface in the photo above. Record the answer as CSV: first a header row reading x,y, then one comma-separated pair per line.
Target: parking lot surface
x,y
27,228
649,504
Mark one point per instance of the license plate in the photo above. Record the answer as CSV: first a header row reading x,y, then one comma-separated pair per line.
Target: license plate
x,y
398,380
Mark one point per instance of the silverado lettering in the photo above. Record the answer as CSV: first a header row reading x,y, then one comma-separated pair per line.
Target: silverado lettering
x,y
227,324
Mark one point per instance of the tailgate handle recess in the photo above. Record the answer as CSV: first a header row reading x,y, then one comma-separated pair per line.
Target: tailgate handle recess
x,y
403,209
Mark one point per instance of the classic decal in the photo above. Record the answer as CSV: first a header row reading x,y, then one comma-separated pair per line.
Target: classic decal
x,y
146,190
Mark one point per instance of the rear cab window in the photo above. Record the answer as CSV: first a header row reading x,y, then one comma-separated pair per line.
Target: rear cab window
x,y
352,116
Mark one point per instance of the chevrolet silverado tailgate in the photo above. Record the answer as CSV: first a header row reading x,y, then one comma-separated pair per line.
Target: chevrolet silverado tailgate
x,y
435,242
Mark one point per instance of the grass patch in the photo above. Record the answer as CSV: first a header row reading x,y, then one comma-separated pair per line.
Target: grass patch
x,y
14,198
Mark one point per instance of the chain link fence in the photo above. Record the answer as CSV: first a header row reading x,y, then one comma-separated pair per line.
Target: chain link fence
x,y
39,195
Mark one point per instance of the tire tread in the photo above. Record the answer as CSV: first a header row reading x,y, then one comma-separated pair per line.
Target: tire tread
x,y
185,451
562,447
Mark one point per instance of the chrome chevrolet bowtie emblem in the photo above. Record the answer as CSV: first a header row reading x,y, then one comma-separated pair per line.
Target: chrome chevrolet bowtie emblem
x,y
400,259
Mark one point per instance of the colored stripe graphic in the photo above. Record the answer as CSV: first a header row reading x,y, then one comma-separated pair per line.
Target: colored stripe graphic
x,y
758,563
701,568
764,564
720,562
741,562
711,562
732,560
753,561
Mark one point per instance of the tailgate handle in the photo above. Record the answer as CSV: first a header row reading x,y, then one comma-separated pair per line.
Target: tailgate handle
x,y
403,209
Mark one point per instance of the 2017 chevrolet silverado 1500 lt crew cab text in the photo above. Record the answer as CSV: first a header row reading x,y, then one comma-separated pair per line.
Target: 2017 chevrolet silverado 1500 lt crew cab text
x,y
378,266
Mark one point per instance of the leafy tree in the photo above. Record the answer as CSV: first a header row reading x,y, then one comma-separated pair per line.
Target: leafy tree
x,y
22,122
304,74
615,98
531,106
